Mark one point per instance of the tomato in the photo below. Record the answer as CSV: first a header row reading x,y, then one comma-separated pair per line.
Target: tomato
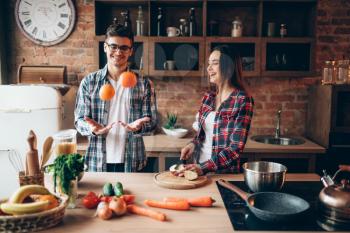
x,y
91,201
106,198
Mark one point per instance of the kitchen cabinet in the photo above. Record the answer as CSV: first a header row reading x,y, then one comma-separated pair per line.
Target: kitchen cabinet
x,y
263,53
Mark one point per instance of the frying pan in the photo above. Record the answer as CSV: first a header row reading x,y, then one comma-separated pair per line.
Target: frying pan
x,y
271,206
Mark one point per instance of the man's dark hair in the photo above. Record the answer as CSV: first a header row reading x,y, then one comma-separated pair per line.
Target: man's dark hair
x,y
121,31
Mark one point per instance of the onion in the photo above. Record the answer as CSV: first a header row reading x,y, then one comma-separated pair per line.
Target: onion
x,y
104,213
118,206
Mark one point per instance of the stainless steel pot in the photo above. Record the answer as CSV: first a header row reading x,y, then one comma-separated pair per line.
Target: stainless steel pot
x,y
264,176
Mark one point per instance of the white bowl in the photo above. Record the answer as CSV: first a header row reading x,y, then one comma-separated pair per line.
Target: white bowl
x,y
178,133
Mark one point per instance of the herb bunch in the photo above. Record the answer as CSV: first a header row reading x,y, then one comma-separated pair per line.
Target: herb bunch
x,y
67,168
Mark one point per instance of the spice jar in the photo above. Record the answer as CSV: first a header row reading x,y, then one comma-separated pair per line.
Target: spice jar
x,y
283,30
342,72
327,73
236,27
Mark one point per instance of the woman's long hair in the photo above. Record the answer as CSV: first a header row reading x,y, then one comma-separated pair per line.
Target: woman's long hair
x,y
230,67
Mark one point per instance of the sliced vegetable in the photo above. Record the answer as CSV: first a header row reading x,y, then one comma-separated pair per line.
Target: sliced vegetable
x,y
204,201
134,209
118,206
128,198
190,175
172,205
118,189
108,189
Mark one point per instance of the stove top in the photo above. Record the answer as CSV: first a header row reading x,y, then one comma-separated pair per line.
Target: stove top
x,y
242,219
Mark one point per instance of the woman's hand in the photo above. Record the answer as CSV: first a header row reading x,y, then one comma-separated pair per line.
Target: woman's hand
x,y
187,152
192,167
136,125
97,128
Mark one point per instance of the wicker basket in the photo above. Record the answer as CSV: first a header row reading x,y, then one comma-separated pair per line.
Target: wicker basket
x,y
36,179
35,222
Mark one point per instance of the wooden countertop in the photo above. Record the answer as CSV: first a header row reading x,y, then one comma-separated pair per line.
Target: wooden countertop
x,y
208,220
164,143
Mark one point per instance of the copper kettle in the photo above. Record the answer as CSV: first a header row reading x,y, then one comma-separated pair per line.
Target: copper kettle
x,y
334,199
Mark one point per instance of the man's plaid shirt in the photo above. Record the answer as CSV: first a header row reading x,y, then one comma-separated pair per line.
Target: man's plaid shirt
x,y
231,126
88,103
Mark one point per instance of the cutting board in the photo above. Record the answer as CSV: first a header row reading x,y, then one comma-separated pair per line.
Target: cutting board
x,y
167,180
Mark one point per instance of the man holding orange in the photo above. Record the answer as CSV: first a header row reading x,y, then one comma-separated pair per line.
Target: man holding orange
x,y
113,110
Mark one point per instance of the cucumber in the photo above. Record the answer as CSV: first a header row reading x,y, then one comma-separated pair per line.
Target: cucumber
x,y
118,189
108,189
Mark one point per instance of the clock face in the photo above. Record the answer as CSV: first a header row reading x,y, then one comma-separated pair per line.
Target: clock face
x,y
45,22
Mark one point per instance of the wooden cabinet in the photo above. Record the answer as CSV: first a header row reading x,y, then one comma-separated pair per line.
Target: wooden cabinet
x,y
263,50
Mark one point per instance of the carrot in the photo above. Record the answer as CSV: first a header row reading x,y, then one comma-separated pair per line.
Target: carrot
x,y
172,205
134,209
128,198
204,201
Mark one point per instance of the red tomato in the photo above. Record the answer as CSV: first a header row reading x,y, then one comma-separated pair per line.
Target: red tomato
x,y
91,201
106,198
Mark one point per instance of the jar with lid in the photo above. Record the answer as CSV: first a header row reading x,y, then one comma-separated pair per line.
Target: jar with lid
x,y
328,72
342,72
183,27
65,142
283,30
236,27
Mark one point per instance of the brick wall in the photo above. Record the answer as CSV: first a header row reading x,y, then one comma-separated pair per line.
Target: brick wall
x,y
183,95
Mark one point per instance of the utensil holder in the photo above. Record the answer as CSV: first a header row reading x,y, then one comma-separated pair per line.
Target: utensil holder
x,y
26,180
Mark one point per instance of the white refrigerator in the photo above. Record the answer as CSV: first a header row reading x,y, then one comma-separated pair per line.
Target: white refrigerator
x,y
42,109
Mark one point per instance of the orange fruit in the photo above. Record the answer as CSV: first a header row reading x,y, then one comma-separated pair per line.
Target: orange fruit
x,y
107,92
128,79
53,202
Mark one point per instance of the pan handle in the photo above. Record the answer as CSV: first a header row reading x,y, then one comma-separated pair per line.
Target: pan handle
x,y
234,188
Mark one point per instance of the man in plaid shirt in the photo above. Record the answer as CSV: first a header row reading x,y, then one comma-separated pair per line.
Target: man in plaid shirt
x,y
115,127
224,118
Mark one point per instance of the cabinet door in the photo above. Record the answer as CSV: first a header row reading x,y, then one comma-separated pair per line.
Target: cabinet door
x,y
176,57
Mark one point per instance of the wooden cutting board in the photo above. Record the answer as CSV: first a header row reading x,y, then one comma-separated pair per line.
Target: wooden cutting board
x,y
167,180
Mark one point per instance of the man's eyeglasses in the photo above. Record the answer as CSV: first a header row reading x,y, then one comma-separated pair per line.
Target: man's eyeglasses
x,y
115,47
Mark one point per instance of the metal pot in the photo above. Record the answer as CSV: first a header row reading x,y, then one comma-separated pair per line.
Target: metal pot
x,y
334,201
264,176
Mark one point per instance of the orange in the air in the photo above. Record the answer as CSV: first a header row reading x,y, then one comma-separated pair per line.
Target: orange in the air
x,y
107,92
128,79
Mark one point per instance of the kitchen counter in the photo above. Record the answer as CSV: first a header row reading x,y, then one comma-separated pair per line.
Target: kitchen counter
x,y
207,220
162,146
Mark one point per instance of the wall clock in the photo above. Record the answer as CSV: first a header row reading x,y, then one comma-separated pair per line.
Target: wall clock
x,y
45,22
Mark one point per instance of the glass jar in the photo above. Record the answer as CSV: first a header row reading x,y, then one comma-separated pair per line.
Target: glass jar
x,y
72,193
327,73
183,27
65,142
236,28
342,72
283,30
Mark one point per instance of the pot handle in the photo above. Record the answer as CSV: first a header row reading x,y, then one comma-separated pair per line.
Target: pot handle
x,y
342,168
234,188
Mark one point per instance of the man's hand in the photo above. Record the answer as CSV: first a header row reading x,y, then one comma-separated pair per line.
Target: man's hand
x,y
187,151
136,125
97,128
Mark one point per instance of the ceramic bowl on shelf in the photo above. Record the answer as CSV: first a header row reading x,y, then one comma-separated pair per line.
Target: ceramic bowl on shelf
x,y
178,133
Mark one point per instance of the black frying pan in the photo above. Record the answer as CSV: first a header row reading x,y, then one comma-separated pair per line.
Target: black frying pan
x,y
271,206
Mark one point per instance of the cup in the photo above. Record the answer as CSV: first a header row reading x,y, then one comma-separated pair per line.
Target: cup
x,y
271,27
169,65
173,31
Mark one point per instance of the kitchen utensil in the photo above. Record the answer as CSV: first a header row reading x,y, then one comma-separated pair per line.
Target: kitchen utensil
x,y
271,206
15,160
168,180
264,176
334,200
32,155
46,151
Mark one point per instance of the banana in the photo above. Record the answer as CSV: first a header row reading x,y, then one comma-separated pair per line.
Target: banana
x,y
24,208
27,190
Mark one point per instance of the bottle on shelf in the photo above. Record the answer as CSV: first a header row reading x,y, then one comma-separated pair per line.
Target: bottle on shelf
x,y
236,27
283,30
183,27
140,23
192,23
160,23
127,21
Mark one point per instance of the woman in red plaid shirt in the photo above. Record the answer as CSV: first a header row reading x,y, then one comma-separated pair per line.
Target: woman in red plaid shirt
x,y
224,118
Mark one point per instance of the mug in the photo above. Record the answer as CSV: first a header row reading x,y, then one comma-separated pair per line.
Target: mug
x,y
169,65
173,31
